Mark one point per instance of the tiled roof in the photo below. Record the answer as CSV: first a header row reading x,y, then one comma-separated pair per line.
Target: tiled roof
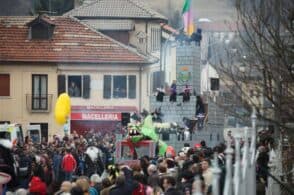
x,y
116,9
169,29
72,41
111,24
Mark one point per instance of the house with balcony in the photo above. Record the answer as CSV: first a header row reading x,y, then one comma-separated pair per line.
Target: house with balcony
x,y
41,57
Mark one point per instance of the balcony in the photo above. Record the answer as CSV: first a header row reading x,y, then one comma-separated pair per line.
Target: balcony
x,y
39,103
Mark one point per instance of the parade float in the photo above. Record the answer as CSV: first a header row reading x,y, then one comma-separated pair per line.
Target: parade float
x,y
142,140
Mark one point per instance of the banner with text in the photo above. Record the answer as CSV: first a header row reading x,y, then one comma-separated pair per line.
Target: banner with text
x,y
96,116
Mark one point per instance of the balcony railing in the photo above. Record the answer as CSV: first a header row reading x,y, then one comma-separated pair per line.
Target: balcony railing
x,y
39,102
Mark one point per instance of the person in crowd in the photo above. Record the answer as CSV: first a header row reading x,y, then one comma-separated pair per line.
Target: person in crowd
x,y
187,179
21,191
76,190
160,94
186,93
68,164
65,188
7,162
106,186
122,186
73,90
200,112
169,185
173,92
206,173
57,159
37,185
95,182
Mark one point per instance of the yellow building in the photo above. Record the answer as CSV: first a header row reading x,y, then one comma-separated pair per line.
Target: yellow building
x,y
45,56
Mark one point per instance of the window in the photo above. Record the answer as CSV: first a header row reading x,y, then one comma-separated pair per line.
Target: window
x,y
39,93
214,84
155,39
41,31
74,86
4,85
157,80
77,85
44,131
119,86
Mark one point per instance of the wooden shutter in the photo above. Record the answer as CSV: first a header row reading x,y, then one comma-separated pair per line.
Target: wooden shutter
x,y
132,87
61,84
86,86
4,85
107,87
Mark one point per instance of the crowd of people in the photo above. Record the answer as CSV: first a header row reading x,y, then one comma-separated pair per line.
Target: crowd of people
x,y
81,165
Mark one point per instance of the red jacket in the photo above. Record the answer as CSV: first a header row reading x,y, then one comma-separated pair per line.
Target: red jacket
x,y
69,163
37,186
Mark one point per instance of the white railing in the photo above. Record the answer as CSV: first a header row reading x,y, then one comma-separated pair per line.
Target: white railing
x,y
240,177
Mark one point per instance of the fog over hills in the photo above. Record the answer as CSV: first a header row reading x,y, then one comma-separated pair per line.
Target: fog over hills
x,y
215,10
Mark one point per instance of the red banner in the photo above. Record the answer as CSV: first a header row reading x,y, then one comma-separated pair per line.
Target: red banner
x,y
96,116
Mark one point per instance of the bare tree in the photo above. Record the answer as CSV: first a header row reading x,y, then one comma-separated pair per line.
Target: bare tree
x,y
258,66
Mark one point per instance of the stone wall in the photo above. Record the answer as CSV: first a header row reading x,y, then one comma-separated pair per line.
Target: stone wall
x,y
174,111
188,69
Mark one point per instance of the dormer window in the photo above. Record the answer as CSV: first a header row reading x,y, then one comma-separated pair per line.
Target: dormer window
x,y
41,28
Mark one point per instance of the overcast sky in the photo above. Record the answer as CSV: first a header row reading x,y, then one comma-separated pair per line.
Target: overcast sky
x,y
216,10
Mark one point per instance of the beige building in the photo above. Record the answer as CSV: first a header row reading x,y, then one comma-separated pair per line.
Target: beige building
x,y
45,56
133,23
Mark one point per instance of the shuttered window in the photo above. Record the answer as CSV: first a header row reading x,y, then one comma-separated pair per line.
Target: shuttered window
x,y
4,85
86,86
132,87
61,84
107,87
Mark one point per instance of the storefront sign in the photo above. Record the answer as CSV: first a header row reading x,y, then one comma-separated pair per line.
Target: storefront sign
x,y
96,116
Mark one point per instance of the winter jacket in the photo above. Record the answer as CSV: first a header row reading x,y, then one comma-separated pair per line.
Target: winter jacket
x,y
69,163
37,186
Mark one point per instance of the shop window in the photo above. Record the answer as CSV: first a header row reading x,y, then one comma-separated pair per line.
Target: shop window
x,y
4,85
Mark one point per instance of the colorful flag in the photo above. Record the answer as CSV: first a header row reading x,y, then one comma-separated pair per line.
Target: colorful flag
x,y
188,18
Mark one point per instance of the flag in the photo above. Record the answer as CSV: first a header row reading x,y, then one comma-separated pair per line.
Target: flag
x,y
188,18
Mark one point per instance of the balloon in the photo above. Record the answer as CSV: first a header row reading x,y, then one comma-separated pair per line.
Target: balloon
x,y
65,99
62,109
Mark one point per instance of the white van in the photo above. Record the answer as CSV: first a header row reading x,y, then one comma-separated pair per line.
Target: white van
x,y
12,132
34,132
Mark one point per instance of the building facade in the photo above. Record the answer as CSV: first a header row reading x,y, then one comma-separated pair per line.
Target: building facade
x,y
44,56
